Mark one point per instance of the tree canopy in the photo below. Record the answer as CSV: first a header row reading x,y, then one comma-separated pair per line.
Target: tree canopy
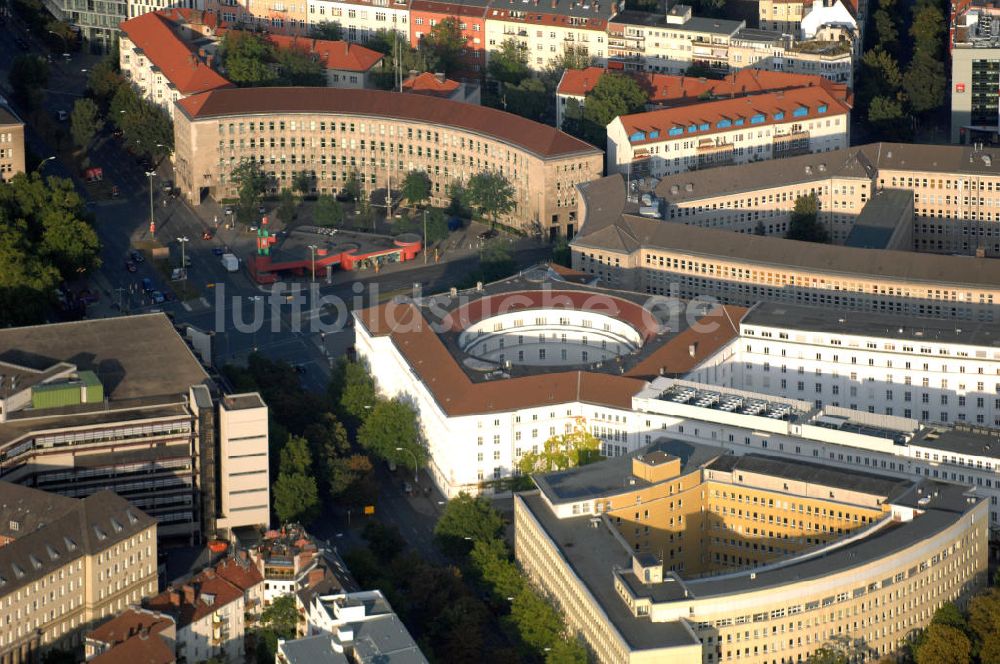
x,y
576,447
491,193
28,76
327,211
390,425
328,30
416,187
145,125
296,495
469,517
804,223
509,64
251,182
614,95
250,60
84,122
44,239
444,44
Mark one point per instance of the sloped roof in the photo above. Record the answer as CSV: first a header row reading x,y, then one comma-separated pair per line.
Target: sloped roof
x,y
339,55
540,139
211,590
128,623
153,35
428,83
724,115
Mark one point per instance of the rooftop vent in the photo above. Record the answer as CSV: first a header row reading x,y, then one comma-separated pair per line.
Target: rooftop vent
x,y
689,186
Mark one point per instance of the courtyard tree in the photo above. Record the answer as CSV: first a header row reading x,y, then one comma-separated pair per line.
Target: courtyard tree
x,y
509,64
444,44
416,187
327,211
247,57
804,224
327,30
250,183
576,447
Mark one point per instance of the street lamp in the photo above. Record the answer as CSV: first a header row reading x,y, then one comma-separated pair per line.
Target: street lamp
x,y
184,240
255,299
38,168
425,236
403,449
312,254
65,43
152,219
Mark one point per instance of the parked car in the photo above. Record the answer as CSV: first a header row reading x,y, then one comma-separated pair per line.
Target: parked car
x,y
491,233
130,266
207,235
147,284
168,186
229,210
158,297
218,251
262,210
137,256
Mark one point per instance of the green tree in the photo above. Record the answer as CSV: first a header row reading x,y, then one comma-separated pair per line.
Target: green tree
x,y
328,30
529,99
282,616
145,124
327,211
444,44
352,187
346,472
925,82
509,64
84,122
984,617
437,225
561,254
537,621
416,187
247,58
303,182
927,30
880,75
949,614
827,655
104,80
885,27
390,425
296,497
888,117
287,206
357,398
297,67
384,541
469,517
491,193
28,77
250,184
804,223
943,644
491,560
495,262
577,447
566,650
614,95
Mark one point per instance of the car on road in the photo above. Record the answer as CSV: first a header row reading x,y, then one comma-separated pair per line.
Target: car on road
x,y
131,266
168,186
137,256
262,210
114,191
487,235
158,297
407,488
147,284
218,251
229,210
207,235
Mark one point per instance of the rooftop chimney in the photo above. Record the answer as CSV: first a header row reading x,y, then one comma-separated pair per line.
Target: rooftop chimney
x,y
440,77
188,593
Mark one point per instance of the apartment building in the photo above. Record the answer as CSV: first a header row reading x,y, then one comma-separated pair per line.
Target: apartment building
x,y
783,16
82,409
347,65
975,73
163,54
289,560
11,143
670,43
210,610
360,19
774,51
97,21
134,635
471,17
275,16
65,564
551,29
953,213
360,625
770,125
380,136
816,547
668,91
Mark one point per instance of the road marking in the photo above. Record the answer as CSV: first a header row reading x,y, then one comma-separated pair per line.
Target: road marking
x,y
204,301
187,307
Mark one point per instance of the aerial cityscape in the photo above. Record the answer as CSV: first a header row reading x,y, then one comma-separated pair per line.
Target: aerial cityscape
x,y
506,331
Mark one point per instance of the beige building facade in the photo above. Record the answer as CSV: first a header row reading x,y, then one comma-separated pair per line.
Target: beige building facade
x,y
11,144
243,452
811,560
379,137
773,51
66,564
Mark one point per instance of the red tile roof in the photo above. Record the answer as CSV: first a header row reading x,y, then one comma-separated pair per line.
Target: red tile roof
x,y
187,603
140,649
129,623
543,140
671,90
429,84
152,34
457,395
447,8
243,576
339,55
770,106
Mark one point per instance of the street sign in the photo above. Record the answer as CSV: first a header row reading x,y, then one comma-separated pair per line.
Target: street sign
x,y
369,510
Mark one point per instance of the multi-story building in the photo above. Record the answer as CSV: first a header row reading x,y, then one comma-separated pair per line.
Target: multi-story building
x,y
668,90
361,625
347,65
770,125
360,19
549,30
953,213
693,553
11,143
163,55
211,608
83,409
134,635
670,43
975,74
66,564
471,17
437,85
289,561
379,137
98,21
773,51
274,16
